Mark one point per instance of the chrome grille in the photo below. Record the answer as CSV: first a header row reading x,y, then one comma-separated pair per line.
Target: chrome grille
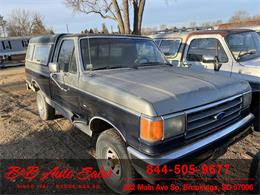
x,y
203,120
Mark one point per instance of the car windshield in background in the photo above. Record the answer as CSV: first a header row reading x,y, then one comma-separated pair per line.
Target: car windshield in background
x,y
244,46
111,53
170,47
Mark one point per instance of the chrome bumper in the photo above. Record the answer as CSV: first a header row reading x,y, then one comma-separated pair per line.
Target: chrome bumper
x,y
191,148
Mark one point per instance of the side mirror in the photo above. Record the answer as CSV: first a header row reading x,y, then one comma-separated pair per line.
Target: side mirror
x,y
53,67
208,59
212,59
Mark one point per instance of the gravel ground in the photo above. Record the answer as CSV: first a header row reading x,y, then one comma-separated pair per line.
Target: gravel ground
x,y
24,136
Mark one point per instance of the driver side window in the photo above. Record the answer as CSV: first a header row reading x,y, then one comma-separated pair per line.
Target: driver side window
x,y
206,46
66,58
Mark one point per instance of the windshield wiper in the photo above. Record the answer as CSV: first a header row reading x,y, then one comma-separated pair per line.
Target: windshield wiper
x,y
109,67
151,63
250,52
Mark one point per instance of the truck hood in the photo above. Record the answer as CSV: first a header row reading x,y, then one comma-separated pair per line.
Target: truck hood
x,y
252,63
160,91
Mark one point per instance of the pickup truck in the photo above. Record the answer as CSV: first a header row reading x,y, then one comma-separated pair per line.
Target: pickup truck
x,y
233,53
138,108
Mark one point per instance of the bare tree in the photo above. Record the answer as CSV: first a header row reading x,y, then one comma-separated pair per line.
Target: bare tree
x,y
138,15
38,27
104,29
116,10
239,16
192,24
163,27
126,16
19,23
3,24
25,23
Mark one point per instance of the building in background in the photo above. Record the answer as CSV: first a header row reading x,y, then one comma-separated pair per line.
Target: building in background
x,y
13,50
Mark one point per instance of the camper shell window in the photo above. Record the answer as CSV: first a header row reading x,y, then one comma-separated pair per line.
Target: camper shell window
x,y
41,54
29,54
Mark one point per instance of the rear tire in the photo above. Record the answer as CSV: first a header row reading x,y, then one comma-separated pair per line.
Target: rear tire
x,y
112,155
46,112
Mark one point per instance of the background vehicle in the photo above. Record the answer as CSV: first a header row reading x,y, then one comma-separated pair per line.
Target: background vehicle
x,y
122,91
258,32
13,51
231,53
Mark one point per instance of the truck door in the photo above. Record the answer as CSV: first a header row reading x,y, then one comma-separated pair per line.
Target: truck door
x,y
200,46
65,92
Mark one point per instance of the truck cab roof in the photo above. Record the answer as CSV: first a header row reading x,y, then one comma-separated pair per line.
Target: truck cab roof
x,y
49,39
184,35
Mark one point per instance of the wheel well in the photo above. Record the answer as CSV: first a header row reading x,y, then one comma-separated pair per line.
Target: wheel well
x,y
98,125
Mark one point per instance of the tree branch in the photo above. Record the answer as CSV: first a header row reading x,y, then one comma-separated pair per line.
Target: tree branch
x,y
118,16
140,14
126,16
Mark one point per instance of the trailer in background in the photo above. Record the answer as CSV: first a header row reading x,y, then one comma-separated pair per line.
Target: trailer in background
x,y
13,51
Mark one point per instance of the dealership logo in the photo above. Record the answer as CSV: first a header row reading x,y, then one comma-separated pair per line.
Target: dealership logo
x,y
220,116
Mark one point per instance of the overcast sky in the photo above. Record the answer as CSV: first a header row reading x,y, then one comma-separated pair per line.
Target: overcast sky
x,y
171,12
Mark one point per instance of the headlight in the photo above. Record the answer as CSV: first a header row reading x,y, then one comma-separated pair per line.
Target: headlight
x,y
174,125
247,98
157,129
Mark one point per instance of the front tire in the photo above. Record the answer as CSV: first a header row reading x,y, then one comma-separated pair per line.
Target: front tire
x,y
112,155
46,112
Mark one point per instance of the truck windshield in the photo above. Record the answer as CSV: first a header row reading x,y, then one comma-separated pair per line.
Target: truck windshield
x,y
244,46
111,53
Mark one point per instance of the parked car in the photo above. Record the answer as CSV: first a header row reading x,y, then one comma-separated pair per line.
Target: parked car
x,y
121,90
258,32
231,53
13,50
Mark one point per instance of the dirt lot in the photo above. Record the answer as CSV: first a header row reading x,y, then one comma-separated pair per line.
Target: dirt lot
x,y
24,136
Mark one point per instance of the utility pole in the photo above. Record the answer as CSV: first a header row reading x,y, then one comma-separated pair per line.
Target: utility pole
x,y
67,26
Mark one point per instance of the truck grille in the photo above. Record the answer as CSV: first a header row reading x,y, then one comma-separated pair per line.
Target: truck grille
x,y
208,119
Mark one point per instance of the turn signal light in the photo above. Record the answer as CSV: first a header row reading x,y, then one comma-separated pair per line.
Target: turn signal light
x,y
151,130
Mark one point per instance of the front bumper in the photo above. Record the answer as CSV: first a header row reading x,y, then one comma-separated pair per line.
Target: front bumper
x,y
202,148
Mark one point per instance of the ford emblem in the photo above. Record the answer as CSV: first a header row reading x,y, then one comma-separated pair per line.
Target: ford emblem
x,y
220,116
